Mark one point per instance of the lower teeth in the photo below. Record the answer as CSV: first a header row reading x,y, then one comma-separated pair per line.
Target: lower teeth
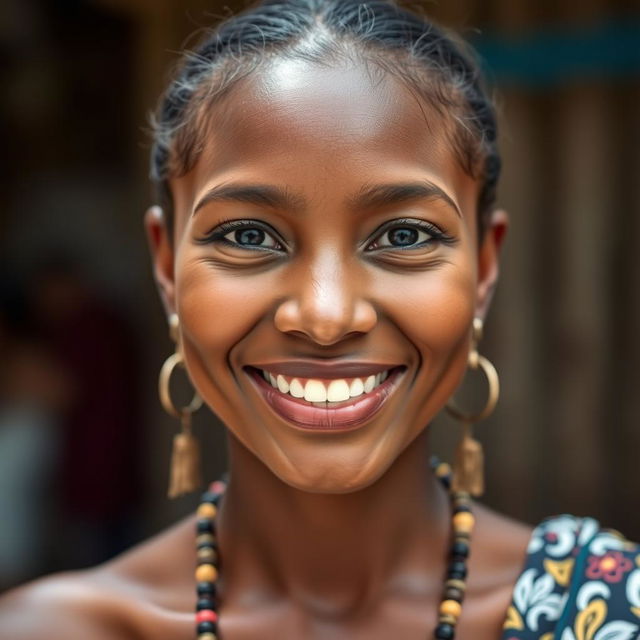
x,y
329,405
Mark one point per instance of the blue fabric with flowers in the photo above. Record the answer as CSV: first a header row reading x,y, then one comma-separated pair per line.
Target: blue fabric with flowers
x,y
579,582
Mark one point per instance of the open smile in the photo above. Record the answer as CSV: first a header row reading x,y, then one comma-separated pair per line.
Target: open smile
x,y
327,402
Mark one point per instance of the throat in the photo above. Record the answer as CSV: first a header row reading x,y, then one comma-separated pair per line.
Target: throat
x,y
334,554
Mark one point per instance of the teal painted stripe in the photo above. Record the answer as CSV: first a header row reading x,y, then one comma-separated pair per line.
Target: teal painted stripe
x,y
609,51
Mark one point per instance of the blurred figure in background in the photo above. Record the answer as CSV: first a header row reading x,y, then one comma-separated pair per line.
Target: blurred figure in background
x,y
34,391
98,476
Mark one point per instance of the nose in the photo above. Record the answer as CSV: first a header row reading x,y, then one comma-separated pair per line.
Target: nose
x,y
327,303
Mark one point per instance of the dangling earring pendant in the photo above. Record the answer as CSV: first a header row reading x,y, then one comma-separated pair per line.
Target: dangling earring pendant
x,y
468,475
468,466
185,474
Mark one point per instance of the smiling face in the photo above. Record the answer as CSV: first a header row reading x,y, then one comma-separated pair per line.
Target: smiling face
x,y
326,270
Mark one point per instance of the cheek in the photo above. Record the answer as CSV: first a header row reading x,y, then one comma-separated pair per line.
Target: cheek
x,y
434,310
445,312
217,310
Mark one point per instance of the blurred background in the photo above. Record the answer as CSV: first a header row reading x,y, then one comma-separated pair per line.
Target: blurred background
x,y
84,446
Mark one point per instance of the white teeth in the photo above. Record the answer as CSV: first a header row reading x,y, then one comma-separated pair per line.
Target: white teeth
x,y
338,391
283,385
369,384
315,391
296,389
318,391
357,388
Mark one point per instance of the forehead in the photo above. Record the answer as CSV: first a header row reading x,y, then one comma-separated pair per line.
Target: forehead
x,y
292,120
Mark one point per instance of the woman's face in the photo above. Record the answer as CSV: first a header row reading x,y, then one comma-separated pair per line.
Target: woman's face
x,y
326,240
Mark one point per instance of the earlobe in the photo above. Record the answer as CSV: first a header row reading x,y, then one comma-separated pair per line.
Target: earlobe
x,y
161,250
489,259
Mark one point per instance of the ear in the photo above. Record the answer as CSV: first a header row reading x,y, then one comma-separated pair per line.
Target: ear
x,y
158,237
488,259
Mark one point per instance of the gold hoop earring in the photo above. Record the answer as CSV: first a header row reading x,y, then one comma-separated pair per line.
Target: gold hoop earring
x,y
184,475
468,474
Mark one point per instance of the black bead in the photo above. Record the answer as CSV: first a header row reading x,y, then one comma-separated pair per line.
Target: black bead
x,y
209,496
453,593
460,550
207,589
206,603
205,525
457,570
445,631
446,481
206,627
462,508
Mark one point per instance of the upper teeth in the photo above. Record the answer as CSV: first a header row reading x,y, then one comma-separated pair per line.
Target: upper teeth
x,y
315,390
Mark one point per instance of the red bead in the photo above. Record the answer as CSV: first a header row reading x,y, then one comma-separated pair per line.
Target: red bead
x,y
206,615
217,487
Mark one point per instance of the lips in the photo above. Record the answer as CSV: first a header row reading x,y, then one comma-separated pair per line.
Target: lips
x,y
323,401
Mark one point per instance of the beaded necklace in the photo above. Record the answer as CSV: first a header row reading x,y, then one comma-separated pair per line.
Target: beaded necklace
x,y
454,586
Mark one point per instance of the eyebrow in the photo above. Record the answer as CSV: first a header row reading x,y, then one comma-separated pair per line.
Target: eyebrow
x,y
369,197
261,195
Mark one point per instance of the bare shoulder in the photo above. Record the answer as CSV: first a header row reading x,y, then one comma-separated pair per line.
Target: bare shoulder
x,y
498,555
505,538
133,596
499,550
62,606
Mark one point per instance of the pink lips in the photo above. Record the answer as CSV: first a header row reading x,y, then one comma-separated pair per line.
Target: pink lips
x,y
347,415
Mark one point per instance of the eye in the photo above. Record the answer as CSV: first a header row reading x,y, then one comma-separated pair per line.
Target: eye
x,y
244,234
406,235
252,237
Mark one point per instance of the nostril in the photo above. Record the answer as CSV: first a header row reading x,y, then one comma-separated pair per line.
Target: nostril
x,y
297,334
318,340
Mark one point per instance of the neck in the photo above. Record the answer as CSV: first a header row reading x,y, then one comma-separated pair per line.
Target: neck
x,y
334,551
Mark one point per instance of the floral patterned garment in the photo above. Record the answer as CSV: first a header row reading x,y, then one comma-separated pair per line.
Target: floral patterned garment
x,y
580,582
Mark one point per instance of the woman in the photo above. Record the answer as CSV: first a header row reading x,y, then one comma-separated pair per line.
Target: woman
x,y
326,250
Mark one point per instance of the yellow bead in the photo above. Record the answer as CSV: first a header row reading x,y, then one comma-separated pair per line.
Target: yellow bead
x,y
456,584
462,498
443,469
207,554
206,573
207,510
463,522
450,608
207,636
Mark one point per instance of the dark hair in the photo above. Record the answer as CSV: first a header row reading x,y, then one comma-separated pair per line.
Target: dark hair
x,y
431,62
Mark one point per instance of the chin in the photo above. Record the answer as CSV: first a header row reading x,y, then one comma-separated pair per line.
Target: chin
x,y
332,477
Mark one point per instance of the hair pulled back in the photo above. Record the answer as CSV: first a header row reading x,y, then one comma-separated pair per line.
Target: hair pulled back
x,y
326,32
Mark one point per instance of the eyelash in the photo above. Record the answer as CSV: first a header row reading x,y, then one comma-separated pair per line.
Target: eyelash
x,y
229,226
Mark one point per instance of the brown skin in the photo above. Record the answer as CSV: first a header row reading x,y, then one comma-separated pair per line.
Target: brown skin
x,y
326,536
